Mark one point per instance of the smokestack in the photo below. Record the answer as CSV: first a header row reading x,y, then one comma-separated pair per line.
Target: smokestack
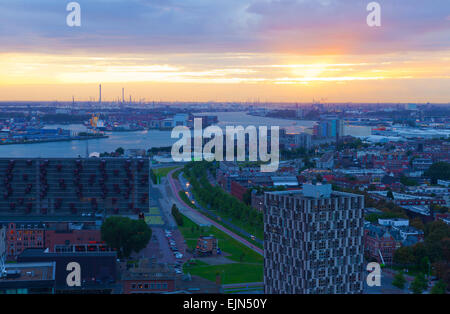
x,y
123,95
100,94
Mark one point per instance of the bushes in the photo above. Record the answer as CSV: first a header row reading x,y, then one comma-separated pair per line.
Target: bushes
x,y
177,215
399,281
213,197
153,177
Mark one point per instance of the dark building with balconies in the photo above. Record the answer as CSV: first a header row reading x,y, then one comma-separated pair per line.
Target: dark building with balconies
x,y
64,186
313,241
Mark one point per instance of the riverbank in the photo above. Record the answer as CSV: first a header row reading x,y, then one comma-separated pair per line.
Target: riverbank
x,y
73,138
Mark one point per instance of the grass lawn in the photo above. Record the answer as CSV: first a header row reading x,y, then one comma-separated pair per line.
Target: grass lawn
x,y
230,273
257,232
162,172
249,266
154,220
175,174
154,211
191,232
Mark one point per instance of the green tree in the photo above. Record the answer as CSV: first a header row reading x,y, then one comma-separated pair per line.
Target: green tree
x,y
125,235
177,215
417,223
439,288
120,151
419,284
399,280
438,171
404,256
390,195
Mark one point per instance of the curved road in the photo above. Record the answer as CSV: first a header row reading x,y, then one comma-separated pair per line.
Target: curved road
x,y
176,189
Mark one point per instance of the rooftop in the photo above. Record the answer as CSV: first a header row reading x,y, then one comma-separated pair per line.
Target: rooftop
x,y
29,272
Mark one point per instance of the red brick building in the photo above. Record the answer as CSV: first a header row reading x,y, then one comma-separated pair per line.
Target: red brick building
x,y
69,238
237,190
206,245
149,277
21,236
56,237
380,242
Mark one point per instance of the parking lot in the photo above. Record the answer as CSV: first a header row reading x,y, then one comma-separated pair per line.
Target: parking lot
x,y
163,247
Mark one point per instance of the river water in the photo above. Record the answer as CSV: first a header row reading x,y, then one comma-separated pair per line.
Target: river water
x,y
139,139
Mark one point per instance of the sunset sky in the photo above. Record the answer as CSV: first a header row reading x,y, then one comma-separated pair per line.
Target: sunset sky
x,y
226,50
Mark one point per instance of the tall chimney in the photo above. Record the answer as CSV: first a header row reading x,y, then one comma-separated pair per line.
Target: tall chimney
x,y
100,94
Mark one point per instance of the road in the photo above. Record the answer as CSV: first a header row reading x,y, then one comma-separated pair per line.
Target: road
x,y
224,221
175,188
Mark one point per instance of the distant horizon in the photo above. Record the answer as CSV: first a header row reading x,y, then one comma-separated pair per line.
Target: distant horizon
x,y
219,102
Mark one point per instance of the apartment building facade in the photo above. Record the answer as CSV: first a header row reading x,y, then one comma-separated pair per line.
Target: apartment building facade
x,y
61,186
313,241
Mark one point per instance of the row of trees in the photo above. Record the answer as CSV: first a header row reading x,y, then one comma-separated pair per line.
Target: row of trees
x,y
419,284
177,215
213,197
153,177
430,256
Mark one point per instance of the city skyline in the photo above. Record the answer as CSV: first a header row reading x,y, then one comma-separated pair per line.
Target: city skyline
x,y
287,51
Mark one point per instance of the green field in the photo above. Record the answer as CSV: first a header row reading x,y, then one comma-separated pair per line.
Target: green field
x,y
248,266
154,220
229,273
154,211
162,172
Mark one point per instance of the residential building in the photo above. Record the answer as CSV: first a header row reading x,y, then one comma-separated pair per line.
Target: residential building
x,y
257,201
2,249
23,235
61,186
206,246
313,241
326,161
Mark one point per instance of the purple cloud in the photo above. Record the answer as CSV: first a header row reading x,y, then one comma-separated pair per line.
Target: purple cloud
x,y
177,26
